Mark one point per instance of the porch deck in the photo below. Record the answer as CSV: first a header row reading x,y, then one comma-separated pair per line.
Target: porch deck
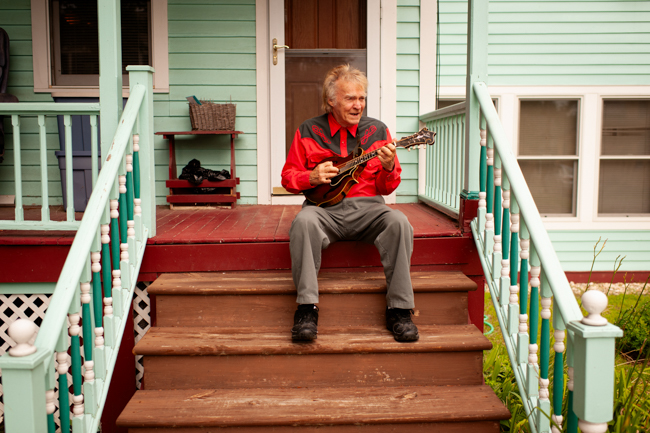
x,y
200,225
246,238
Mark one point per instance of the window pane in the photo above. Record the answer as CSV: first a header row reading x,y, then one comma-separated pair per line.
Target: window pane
x,y
552,184
626,127
548,127
442,103
78,38
624,187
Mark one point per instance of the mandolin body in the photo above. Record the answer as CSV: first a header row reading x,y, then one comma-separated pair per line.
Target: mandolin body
x,y
329,194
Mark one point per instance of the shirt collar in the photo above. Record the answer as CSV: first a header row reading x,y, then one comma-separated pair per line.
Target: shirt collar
x,y
334,126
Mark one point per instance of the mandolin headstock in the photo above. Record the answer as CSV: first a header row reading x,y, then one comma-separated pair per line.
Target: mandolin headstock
x,y
422,138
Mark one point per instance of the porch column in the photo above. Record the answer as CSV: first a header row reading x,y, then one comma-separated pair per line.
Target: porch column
x,y
477,68
110,70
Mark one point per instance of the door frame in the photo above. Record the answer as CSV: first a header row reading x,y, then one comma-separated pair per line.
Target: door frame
x,y
382,78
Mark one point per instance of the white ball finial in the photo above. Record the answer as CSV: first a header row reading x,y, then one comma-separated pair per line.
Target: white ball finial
x,y
21,331
595,303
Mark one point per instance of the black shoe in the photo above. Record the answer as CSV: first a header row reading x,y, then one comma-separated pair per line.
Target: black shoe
x,y
305,323
398,321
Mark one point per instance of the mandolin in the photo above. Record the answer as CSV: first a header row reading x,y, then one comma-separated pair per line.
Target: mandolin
x,y
351,166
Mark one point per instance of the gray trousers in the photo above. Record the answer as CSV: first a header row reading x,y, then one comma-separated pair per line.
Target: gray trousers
x,y
365,219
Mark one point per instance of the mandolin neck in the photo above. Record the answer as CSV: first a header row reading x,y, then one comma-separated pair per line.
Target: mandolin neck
x,y
349,165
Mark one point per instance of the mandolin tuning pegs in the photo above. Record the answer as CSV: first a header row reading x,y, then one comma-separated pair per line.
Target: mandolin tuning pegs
x,y
409,149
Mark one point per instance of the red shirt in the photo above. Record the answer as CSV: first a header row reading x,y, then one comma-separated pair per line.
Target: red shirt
x,y
322,137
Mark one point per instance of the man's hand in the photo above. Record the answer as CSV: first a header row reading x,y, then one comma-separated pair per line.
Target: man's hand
x,y
323,173
386,155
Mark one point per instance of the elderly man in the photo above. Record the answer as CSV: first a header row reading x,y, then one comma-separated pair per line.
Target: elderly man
x,y
361,216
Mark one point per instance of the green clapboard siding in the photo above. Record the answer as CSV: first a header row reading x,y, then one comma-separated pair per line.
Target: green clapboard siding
x,y
575,249
15,19
552,42
212,56
408,91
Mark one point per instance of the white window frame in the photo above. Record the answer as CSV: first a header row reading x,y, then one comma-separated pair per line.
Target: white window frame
x,y
541,157
601,157
589,141
42,60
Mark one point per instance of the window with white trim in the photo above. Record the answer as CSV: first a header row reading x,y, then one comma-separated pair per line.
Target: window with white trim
x,y
75,45
624,166
548,153
65,44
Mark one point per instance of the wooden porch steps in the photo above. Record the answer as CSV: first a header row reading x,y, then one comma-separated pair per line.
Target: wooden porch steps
x,y
221,356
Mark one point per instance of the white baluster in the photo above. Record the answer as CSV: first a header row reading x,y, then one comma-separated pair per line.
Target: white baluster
x,y
497,182
130,232
489,217
546,314
89,374
129,163
22,331
558,347
556,426
524,254
108,308
78,408
50,401
95,257
74,324
122,189
117,281
115,214
75,329
124,248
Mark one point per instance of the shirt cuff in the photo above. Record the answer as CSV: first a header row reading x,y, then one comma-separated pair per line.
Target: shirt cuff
x,y
303,181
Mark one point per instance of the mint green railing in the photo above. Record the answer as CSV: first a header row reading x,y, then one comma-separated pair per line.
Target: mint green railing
x,y
36,115
512,241
105,256
445,168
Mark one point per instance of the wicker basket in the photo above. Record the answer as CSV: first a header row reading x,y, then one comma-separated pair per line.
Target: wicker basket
x,y
210,116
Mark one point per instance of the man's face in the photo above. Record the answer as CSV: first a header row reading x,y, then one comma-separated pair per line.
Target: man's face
x,y
349,103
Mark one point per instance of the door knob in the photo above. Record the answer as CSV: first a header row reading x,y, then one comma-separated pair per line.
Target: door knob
x,y
275,50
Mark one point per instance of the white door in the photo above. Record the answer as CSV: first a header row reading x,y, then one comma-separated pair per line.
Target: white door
x,y
315,44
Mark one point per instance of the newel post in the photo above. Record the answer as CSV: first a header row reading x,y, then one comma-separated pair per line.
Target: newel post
x,y
593,362
477,68
23,381
143,75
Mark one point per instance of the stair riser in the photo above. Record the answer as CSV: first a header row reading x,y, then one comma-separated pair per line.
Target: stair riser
x,y
446,308
357,370
448,427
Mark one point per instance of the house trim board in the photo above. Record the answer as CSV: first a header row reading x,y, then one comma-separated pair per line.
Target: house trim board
x,y
428,77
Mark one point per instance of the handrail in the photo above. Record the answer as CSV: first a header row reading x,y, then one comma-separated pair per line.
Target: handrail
x,y
567,303
509,249
66,286
48,108
451,110
96,283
